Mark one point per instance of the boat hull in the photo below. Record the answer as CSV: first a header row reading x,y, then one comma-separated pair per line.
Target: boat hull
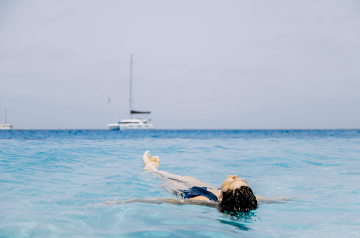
x,y
124,127
113,126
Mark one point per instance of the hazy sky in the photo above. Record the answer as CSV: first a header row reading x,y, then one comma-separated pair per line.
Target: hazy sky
x,y
198,64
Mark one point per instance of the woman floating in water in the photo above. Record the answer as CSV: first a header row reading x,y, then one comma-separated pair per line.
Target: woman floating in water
x,y
234,196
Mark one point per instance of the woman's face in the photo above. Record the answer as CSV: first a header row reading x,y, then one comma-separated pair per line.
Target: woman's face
x,y
232,182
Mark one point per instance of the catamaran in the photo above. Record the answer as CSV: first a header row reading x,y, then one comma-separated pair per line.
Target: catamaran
x,y
5,126
132,124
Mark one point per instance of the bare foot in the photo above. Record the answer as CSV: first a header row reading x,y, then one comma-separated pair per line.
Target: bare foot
x,y
148,165
155,160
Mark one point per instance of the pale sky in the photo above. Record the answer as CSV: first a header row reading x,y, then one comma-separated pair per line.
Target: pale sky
x,y
199,64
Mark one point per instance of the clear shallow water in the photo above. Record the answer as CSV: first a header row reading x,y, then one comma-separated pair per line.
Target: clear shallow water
x,y
49,181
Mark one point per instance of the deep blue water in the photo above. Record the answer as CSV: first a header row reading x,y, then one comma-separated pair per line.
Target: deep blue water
x,y
50,181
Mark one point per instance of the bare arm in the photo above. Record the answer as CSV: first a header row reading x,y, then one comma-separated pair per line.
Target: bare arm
x,y
262,199
164,200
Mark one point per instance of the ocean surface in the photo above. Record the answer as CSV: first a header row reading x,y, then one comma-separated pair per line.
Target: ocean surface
x,y
50,181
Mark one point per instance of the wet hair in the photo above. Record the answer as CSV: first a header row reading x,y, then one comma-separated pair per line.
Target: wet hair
x,y
240,200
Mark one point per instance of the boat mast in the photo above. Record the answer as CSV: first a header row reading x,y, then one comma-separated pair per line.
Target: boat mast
x,y
5,115
130,84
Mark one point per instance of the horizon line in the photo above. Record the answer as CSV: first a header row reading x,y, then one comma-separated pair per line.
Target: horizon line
x,y
59,129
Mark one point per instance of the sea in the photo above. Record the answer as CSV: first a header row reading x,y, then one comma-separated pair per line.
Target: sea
x,y
54,183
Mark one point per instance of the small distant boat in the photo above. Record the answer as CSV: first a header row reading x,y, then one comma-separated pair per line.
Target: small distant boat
x,y
5,126
132,124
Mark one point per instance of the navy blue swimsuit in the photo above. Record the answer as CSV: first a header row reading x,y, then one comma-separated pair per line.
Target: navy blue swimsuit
x,y
198,191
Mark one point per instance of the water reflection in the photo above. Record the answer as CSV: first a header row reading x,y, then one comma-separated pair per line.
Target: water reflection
x,y
236,224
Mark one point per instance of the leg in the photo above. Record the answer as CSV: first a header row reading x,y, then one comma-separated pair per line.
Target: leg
x,y
186,180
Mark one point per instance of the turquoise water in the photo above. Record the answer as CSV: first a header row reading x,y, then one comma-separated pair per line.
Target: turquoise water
x,y
49,181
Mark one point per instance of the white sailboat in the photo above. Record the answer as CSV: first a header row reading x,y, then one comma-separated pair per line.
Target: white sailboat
x,y
5,126
132,124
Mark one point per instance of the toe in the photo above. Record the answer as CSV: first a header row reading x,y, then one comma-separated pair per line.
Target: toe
x,y
155,159
147,154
